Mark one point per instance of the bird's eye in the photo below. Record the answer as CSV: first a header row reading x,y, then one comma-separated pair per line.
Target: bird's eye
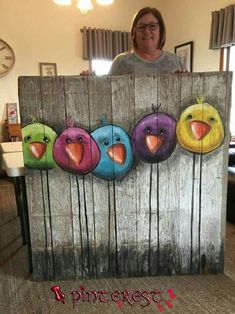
x,y
162,132
46,139
68,140
147,130
106,143
28,138
80,139
117,138
189,117
212,120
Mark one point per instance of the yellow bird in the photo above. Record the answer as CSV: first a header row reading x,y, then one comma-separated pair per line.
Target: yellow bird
x,y
200,128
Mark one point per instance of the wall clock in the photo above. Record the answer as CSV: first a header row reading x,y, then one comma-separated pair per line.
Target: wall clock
x,y
7,58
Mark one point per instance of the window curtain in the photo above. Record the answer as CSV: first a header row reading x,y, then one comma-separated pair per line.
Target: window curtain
x,y
223,28
103,43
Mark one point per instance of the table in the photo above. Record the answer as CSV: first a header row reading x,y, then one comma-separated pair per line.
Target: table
x,y
13,164
11,147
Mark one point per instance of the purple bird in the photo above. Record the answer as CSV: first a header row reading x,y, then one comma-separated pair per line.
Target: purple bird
x,y
154,137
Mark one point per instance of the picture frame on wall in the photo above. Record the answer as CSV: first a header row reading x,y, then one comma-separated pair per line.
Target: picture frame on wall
x,y
185,53
48,69
12,113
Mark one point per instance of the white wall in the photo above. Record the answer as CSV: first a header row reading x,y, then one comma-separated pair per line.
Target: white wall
x,y
190,20
41,31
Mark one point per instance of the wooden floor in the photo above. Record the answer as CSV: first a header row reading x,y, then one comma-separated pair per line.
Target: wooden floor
x,y
189,294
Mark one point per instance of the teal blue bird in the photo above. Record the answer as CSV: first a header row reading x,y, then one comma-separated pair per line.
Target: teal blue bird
x,y
116,154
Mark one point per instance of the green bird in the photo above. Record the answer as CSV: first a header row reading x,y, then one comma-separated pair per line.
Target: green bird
x,y
38,141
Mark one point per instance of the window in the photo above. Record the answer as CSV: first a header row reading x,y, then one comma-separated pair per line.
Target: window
x,y
100,66
229,56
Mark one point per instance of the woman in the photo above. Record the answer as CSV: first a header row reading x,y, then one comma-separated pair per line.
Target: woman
x,y
147,57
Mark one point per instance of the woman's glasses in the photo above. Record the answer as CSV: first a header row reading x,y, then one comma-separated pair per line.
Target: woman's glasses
x,y
151,27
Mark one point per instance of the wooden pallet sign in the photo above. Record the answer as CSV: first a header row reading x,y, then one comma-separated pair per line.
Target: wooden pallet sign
x,y
164,214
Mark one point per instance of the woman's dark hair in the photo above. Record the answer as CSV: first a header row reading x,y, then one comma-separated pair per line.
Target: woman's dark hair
x,y
162,28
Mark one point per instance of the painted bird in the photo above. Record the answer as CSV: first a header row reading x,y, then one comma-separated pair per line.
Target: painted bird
x,y
200,128
76,151
153,137
116,153
38,140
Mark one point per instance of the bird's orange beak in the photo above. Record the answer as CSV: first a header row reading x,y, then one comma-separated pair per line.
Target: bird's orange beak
x,y
37,149
199,129
75,152
153,142
117,153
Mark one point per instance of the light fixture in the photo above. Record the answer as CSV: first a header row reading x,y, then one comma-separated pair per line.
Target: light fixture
x,y
104,2
63,2
84,6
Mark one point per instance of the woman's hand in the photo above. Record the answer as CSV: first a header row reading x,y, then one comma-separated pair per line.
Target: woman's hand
x,y
87,72
181,71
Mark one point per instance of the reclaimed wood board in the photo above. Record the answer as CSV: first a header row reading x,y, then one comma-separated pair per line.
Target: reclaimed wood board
x,y
160,219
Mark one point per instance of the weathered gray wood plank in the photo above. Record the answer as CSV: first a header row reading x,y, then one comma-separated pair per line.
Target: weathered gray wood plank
x,y
184,212
30,96
153,215
168,188
77,109
197,91
58,181
213,184
100,104
144,97
125,212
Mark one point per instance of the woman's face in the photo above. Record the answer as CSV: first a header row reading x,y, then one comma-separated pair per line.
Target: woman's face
x,y
147,38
